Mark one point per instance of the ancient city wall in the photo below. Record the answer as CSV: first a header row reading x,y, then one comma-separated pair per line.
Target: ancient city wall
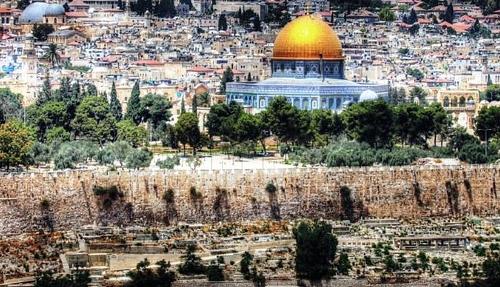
x,y
404,192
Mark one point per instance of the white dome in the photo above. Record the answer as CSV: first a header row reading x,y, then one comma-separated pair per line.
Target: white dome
x,y
35,12
368,95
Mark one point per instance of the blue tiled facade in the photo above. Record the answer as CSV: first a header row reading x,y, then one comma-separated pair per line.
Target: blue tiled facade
x,y
307,69
307,84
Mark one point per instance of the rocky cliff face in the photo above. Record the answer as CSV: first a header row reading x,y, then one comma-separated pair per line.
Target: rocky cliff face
x,y
70,199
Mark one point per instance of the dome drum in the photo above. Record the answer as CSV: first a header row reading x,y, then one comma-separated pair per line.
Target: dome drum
x,y
308,69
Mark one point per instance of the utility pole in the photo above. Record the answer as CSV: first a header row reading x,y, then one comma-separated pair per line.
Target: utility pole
x,y
486,140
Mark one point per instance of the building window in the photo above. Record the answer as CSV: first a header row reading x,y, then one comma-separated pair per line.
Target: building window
x,y
462,102
446,102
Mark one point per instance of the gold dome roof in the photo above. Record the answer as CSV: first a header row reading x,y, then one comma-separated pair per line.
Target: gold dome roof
x,y
306,38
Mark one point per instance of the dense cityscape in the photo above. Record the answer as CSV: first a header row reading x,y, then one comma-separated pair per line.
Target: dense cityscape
x,y
148,143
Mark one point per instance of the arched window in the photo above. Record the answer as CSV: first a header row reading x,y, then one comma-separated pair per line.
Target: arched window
x,y
461,102
446,102
454,102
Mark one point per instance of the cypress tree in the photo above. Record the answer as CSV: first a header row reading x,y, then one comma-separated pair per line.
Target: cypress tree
x,y
65,90
114,104
449,15
256,24
227,76
222,22
183,106
194,105
134,105
46,93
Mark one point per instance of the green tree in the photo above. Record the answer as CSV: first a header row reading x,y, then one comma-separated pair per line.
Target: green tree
x,y
56,135
441,121
134,111
412,123
420,94
41,31
187,131
93,120
114,103
315,251
222,25
165,9
138,158
16,140
10,105
343,266
194,105
246,261
77,279
370,122
227,77
155,109
131,133
22,4
283,119
183,105
387,15
492,93
488,122
256,24
416,73
491,269
215,273
449,14
39,153
120,151
192,264
49,115
52,55
324,125
247,128
146,276
45,94
459,138
390,264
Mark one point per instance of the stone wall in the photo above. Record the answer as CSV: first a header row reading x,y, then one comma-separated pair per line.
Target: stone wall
x,y
403,192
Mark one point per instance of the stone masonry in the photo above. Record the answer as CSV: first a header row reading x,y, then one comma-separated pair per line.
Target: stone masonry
x,y
402,192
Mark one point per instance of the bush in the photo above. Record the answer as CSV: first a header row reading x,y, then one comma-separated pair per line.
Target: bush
x,y
138,158
472,153
169,162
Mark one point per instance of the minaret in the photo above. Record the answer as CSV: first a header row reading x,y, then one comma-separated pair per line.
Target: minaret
x,y
308,7
29,62
29,59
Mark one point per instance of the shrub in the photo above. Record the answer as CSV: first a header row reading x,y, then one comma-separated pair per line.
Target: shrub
x,y
169,162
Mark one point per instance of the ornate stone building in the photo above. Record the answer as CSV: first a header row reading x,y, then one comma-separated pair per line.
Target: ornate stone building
x,y
308,69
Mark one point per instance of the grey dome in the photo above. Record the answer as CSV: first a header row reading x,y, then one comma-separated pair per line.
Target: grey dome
x,y
35,12
368,95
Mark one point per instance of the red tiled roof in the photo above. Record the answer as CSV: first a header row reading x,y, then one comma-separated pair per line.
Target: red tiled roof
x,y
5,10
76,14
467,18
147,63
200,70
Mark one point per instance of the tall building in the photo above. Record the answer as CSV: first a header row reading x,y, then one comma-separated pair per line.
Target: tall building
x,y
308,69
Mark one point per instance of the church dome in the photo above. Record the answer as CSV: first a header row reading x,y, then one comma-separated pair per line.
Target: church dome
x,y
35,12
306,38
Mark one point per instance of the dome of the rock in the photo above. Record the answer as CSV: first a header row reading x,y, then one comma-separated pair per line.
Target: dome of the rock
x,y
307,38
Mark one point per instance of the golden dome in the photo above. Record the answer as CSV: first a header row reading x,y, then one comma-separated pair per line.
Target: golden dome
x,y
306,38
